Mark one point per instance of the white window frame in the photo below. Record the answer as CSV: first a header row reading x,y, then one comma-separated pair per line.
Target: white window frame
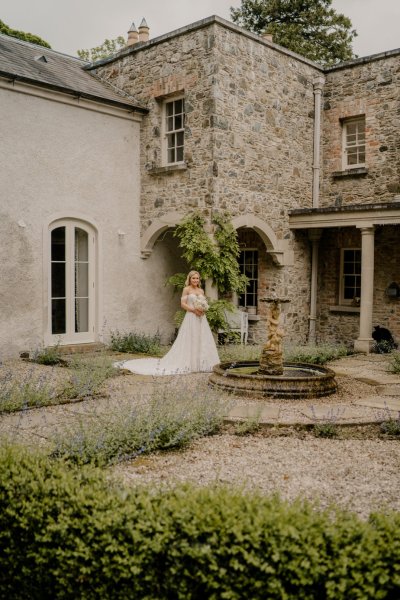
x,y
242,302
353,142
172,129
357,286
70,336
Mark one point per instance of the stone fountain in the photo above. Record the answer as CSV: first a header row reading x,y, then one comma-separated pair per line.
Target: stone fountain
x,y
271,377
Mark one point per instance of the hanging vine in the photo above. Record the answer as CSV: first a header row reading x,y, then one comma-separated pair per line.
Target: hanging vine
x,y
215,259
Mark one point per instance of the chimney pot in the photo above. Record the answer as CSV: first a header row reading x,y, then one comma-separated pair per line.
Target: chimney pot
x,y
133,36
143,31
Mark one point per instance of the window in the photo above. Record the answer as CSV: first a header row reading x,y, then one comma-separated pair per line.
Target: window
x,y
248,264
71,282
350,276
354,143
174,127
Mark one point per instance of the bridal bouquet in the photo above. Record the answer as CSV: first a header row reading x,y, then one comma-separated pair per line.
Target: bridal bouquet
x,y
201,303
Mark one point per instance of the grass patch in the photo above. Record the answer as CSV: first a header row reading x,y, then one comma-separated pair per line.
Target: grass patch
x,y
171,416
394,363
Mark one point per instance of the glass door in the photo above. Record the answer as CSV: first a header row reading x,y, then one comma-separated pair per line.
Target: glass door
x,y
72,283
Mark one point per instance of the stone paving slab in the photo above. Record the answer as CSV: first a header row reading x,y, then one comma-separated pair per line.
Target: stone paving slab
x,y
390,390
248,411
338,412
385,402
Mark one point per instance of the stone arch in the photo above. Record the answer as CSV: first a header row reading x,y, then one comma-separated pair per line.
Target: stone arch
x,y
156,229
278,249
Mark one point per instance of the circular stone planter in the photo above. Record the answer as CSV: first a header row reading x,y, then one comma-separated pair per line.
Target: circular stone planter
x,y
298,380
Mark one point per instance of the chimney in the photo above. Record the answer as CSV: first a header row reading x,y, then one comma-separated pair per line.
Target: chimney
x,y
133,36
143,31
267,36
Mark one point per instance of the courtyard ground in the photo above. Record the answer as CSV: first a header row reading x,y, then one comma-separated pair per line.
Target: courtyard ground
x,y
358,469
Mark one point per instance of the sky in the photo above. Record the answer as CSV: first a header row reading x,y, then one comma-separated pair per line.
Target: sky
x,y
69,25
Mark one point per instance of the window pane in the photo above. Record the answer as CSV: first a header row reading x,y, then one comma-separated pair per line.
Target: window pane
x,y
178,106
178,122
58,244
179,154
81,244
81,315
58,280
170,124
58,316
171,155
82,280
169,109
179,138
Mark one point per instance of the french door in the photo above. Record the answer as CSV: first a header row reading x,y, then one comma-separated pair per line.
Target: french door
x,y
72,285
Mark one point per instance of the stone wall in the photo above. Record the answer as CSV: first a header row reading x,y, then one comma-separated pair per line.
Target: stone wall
x,y
248,136
369,88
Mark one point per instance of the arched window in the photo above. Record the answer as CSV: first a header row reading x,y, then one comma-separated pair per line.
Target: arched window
x,y
72,285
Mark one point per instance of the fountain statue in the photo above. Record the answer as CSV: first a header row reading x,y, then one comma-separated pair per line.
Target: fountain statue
x,y
271,359
271,376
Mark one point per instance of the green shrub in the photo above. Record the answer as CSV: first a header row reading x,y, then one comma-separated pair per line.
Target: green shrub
x,y
170,418
391,427
239,352
394,364
135,343
325,430
50,355
317,355
68,533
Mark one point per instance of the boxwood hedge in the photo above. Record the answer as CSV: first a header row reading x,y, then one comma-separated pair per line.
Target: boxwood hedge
x,y
71,533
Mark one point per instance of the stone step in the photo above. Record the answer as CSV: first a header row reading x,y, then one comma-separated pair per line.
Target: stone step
x,y
81,348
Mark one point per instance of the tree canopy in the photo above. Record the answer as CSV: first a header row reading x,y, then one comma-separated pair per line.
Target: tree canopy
x,y
107,48
27,37
311,28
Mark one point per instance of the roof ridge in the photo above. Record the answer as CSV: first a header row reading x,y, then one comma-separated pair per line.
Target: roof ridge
x,y
42,48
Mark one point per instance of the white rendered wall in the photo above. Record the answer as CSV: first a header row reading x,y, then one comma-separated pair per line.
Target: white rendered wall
x,y
61,160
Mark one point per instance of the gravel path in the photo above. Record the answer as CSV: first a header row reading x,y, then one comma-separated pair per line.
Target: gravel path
x,y
361,475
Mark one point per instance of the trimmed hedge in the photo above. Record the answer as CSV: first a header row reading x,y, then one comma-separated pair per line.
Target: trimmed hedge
x,y
68,533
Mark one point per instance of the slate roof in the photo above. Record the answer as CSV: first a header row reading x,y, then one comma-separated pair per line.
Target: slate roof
x,y
41,66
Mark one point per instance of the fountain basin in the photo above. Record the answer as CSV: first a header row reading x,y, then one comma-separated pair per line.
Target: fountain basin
x,y
299,380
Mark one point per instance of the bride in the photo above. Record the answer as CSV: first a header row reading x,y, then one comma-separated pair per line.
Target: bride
x,y
194,349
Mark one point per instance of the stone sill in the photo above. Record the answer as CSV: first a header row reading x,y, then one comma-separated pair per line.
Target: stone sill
x,y
167,169
345,309
350,173
254,317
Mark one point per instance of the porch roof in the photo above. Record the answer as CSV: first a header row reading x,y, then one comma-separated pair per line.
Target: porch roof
x,y
355,215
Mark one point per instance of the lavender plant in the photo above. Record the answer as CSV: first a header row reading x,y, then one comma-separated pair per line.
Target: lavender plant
x,y
170,416
27,391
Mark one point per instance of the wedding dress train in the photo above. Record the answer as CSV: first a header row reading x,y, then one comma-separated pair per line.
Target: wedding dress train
x,y
193,351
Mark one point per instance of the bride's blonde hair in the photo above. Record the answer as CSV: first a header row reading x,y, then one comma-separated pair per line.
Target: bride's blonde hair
x,y
189,277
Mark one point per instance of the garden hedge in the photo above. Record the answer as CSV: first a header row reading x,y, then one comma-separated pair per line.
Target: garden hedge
x,y
71,533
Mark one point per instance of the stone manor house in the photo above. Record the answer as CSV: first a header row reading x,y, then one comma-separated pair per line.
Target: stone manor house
x,y
99,162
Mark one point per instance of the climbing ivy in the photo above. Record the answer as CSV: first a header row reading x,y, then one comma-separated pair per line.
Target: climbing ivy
x,y
216,258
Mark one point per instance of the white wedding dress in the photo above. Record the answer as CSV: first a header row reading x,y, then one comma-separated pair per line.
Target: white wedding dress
x,y
193,351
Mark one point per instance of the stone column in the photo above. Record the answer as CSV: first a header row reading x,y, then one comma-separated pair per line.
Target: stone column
x,y
365,341
314,235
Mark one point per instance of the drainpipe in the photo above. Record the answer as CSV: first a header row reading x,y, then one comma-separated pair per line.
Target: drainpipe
x,y
318,85
315,234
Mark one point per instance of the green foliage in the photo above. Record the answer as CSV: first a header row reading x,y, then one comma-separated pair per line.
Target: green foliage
x,y
50,355
394,364
236,353
135,342
177,281
107,48
391,427
317,355
31,390
170,418
325,430
311,28
21,35
88,376
215,260
70,533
